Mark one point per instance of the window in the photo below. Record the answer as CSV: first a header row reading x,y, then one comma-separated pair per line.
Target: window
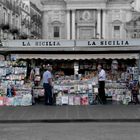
x,y
136,35
9,18
4,18
26,9
16,22
56,31
116,28
116,32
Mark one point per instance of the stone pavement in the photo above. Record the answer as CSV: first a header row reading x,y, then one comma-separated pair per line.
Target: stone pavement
x,y
93,113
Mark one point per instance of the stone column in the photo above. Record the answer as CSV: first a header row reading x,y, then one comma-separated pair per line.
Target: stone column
x,y
73,24
45,26
99,24
104,24
94,32
68,25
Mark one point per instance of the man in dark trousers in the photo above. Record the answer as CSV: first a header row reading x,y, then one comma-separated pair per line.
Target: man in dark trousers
x,y
101,82
47,84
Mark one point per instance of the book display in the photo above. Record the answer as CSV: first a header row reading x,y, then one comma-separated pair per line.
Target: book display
x,y
84,90
118,92
74,92
13,90
119,89
77,89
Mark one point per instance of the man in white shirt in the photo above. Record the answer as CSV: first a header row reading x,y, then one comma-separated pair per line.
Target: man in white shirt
x,y
47,84
101,82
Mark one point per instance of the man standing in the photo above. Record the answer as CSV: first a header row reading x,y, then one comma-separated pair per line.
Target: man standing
x,y
47,84
101,82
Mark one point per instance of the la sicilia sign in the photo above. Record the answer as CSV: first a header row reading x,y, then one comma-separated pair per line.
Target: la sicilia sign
x,y
89,43
69,43
108,43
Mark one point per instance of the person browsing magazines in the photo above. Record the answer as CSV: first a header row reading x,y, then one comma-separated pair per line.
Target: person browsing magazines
x,y
101,82
47,85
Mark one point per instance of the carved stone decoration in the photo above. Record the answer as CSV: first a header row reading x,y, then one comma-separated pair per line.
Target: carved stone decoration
x,y
56,15
86,15
86,23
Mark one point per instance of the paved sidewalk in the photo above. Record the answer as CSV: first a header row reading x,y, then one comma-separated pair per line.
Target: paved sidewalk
x,y
94,113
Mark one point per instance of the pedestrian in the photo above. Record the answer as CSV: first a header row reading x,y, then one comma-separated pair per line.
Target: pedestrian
x,y
101,82
47,85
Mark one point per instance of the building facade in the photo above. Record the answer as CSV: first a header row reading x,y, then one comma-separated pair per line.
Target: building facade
x,y
77,36
10,18
25,19
75,31
36,22
92,19
16,18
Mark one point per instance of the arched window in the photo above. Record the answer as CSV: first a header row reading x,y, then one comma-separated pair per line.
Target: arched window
x,y
56,26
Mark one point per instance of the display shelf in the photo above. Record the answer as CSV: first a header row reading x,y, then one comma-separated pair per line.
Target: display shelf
x,y
74,92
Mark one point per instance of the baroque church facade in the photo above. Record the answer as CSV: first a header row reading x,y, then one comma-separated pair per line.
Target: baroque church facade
x,y
90,19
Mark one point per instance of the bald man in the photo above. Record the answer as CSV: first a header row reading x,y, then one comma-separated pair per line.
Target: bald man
x,y
101,82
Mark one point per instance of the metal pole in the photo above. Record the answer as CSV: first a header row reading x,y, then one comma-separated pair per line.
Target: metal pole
x,y
139,67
